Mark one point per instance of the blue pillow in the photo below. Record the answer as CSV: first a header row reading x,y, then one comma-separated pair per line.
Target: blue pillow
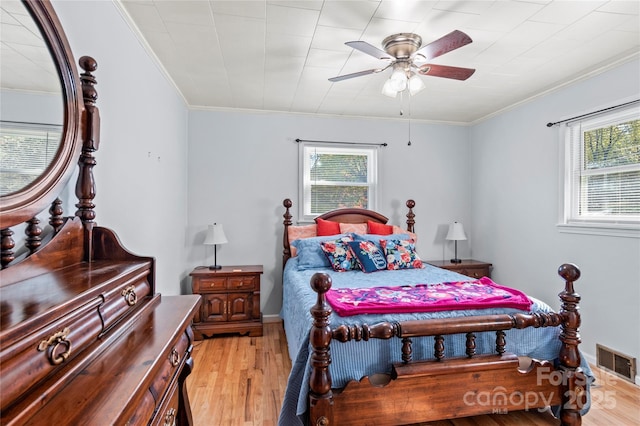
x,y
310,254
369,255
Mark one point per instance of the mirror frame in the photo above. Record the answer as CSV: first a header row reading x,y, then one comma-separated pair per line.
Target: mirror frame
x,y
25,204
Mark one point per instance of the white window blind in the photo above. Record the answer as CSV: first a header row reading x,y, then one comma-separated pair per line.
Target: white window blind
x,y
335,176
26,150
602,170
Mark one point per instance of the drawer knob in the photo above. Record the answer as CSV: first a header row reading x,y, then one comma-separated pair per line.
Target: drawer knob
x,y
129,294
170,417
174,358
58,339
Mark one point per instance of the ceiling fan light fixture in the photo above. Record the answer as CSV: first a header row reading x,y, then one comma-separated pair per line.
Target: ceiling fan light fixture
x,y
389,91
398,79
415,83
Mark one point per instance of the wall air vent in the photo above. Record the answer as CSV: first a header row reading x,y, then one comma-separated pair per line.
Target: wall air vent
x,y
619,364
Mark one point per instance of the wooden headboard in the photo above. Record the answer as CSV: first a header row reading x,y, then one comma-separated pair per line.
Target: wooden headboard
x,y
345,215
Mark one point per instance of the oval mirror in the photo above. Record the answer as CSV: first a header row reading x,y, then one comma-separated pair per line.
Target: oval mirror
x,y
40,110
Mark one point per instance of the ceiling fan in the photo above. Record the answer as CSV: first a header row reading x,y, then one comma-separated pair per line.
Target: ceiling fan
x,y
407,56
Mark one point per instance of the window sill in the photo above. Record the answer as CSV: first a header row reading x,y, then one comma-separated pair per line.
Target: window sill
x,y
610,230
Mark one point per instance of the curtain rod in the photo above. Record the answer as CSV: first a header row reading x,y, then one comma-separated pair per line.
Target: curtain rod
x,y
594,112
343,143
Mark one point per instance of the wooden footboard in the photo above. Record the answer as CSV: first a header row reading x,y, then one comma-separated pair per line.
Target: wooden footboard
x,y
426,390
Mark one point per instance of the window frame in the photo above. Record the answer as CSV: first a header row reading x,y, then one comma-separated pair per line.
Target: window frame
x,y
304,176
571,221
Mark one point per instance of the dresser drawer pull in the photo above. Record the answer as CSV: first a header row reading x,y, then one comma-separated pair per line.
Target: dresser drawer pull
x,y
129,294
170,417
52,343
174,358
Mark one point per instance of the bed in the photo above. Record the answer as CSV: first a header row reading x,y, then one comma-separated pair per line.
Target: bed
x,y
387,368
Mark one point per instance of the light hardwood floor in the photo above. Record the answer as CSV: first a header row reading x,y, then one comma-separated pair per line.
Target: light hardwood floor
x,y
241,381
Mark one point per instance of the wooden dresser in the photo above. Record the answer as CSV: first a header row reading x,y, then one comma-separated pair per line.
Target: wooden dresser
x,y
230,300
85,339
469,267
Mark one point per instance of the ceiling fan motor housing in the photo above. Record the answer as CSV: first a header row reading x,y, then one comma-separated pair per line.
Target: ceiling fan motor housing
x,y
402,45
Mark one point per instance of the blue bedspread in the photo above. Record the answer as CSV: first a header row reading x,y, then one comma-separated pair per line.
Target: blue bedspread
x,y
354,360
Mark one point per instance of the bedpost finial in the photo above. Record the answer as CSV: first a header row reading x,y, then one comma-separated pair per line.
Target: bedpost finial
x,y
287,203
411,204
569,271
320,282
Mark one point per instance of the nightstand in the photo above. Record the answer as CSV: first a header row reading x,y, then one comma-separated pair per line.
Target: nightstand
x,y
469,267
230,300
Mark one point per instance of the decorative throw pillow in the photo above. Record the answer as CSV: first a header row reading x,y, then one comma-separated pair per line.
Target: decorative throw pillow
x,y
370,257
376,238
310,254
296,232
340,255
412,235
327,227
379,228
400,254
355,228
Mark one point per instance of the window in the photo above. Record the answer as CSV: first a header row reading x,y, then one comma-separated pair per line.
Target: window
x,y
336,176
26,150
602,173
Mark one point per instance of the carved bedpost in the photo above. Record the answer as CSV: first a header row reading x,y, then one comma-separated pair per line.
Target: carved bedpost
x,y
320,395
286,253
85,186
574,381
411,216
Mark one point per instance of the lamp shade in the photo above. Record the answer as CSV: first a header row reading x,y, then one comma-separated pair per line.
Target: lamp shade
x,y
215,235
456,232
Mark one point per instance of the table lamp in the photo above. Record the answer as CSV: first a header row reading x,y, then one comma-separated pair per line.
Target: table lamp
x,y
456,233
215,236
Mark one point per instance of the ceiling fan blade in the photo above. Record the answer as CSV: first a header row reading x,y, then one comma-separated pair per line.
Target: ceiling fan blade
x,y
369,49
356,74
446,71
451,41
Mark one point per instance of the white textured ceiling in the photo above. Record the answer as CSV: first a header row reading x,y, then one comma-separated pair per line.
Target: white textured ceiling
x,y
278,55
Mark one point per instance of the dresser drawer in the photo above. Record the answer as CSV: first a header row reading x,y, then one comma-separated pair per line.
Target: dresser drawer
x,y
173,362
167,414
47,350
123,299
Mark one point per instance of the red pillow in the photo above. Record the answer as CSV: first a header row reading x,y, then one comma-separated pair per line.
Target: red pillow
x,y
327,227
379,228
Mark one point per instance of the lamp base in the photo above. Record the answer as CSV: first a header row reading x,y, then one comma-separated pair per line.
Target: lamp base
x,y
456,260
215,267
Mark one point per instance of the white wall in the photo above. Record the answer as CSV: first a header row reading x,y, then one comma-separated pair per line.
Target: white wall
x,y
243,165
141,170
31,107
515,186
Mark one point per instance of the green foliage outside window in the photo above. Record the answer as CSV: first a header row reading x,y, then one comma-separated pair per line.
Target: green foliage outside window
x,y
611,182
337,181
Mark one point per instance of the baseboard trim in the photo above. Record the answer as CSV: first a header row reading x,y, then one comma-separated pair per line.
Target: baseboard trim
x,y
271,318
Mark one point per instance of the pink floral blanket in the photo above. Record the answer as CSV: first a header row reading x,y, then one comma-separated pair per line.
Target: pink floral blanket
x,y
477,294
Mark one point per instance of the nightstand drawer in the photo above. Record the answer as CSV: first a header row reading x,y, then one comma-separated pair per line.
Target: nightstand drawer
x,y
211,284
475,269
241,283
475,272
